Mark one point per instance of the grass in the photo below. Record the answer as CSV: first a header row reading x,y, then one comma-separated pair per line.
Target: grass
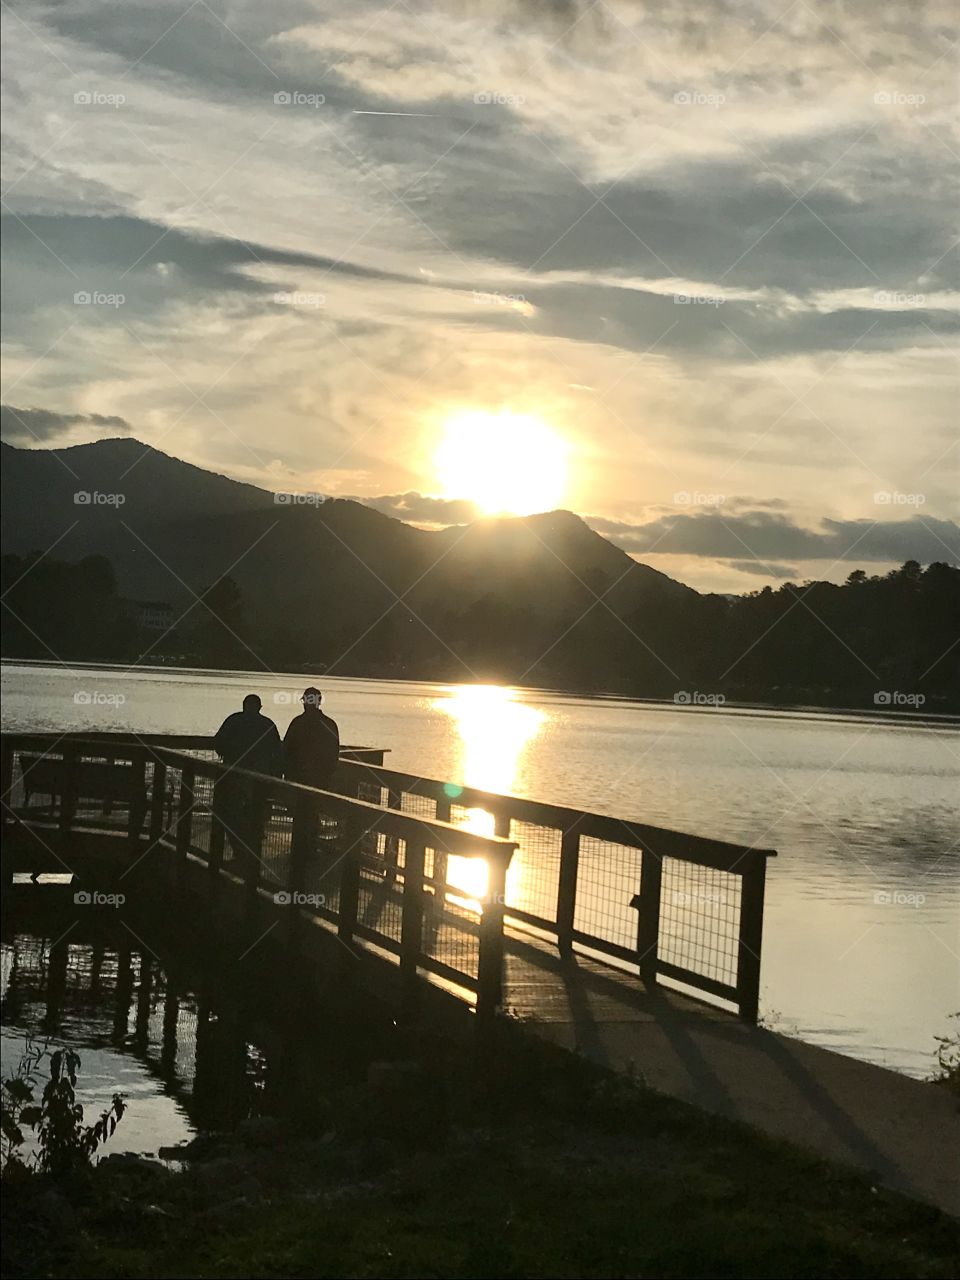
x,y
530,1164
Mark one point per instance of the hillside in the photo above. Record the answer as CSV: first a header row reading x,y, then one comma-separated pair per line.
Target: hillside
x,y
337,581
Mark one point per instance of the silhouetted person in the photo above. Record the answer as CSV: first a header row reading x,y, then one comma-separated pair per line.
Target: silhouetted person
x,y
249,740
246,740
311,750
311,746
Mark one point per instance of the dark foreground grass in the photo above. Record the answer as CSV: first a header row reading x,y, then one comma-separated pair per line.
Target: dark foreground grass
x,y
530,1164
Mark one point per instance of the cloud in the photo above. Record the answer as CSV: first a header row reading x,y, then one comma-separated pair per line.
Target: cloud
x,y
418,508
766,535
39,426
764,568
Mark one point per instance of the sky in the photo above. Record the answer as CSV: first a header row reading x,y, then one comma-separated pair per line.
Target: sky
x,y
689,267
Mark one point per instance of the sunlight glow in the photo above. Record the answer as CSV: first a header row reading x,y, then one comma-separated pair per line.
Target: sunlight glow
x,y
494,731
507,463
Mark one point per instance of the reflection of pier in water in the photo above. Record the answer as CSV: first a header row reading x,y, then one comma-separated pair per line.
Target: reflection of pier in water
x,y
99,995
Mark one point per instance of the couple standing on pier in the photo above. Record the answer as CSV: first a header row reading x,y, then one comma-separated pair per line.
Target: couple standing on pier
x,y
247,739
308,753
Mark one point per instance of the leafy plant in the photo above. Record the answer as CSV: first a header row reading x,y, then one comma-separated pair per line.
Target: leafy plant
x,y
64,1142
948,1059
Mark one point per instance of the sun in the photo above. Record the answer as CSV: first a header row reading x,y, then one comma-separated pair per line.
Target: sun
x,y
505,463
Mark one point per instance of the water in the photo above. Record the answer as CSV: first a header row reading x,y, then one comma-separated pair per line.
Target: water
x,y
861,946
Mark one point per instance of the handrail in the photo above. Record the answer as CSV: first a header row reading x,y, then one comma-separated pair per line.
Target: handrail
x,y
456,840
698,901
724,855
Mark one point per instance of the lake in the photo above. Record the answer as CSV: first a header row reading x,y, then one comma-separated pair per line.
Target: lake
x,y
861,949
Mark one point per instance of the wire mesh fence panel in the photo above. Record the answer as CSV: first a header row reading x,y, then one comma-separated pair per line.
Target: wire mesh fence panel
x,y
608,877
422,806
380,904
371,792
275,847
700,919
450,928
534,874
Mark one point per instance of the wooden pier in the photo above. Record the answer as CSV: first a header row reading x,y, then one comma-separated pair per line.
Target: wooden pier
x,y
375,859
633,945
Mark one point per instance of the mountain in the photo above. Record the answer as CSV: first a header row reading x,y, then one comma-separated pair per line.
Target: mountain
x,y
338,583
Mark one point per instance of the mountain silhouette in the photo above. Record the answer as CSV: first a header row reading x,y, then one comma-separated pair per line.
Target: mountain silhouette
x,y
336,581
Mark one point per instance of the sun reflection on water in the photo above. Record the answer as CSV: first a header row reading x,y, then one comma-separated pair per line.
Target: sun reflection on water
x,y
494,731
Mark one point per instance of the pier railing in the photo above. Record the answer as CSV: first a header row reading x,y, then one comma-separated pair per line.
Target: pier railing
x,y
372,874
664,903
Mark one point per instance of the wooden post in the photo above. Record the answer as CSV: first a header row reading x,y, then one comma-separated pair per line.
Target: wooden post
x,y
752,889
156,808
490,961
305,814
138,794
440,860
567,887
648,923
68,793
411,923
185,810
349,882
391,849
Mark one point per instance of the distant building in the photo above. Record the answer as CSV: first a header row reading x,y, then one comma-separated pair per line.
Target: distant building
x,y
150,615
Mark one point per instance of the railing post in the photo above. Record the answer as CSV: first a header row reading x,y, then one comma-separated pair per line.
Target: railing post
x,y
156,808
305,814
68,794
752,889
490,960
648,923
391,848
567,887
138,794
411,922
185,811
440,860
349,882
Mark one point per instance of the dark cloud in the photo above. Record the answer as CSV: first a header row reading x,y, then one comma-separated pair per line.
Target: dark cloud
x,y
131,247
764,568
36,426
420,509
770,536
